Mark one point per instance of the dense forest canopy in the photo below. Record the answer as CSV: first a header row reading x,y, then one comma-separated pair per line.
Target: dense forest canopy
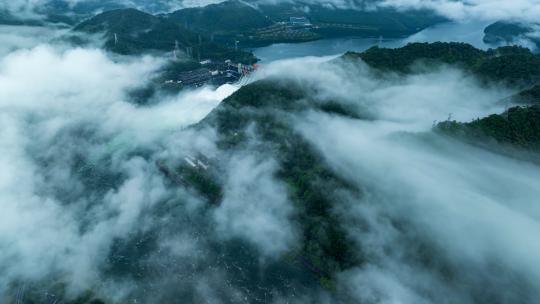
x,y
508,32
512,64
223,17
129,31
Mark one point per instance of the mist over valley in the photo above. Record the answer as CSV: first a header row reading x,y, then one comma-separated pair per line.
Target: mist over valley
x,y
269,152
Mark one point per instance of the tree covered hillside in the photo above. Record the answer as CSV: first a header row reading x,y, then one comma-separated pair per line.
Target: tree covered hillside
x,y
530,95
261,23
513,65
130,31
334,21
288,189
260,118
504,32
518,126
228,16
508,32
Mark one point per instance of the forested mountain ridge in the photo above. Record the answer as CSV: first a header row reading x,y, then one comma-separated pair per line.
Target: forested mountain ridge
x,y
518,126
130,31
228,16
265,106
511,64
530,95
262,124
515,66
255,23
334,21
508,32
259,117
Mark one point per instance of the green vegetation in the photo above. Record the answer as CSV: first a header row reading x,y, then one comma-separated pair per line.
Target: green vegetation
x,y
504,32
519,126
517,66
531,95
165,81
129,31
383,22
264,24
233,21
325,248
226,17
262,110
512,64
204,183
402,59
277,33
264,107
136,31
335,21
212,29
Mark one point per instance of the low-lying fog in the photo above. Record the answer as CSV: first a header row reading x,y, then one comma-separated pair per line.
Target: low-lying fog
x,y
80,180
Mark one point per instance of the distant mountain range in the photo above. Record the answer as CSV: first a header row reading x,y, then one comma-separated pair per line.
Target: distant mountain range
x,y
245,18
130,31
216,31
508,32
513,65
228,16
240,16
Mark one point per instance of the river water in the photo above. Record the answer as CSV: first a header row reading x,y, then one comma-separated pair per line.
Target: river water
x,y
471,32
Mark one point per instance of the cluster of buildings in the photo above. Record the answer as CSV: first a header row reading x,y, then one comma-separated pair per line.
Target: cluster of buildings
x,y
299,21
213,73
200,163
196,163
295,29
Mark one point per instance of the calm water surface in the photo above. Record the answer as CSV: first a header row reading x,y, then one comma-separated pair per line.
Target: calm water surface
x,y
472,33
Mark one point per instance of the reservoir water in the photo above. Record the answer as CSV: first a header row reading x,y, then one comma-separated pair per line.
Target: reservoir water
x,y
471,32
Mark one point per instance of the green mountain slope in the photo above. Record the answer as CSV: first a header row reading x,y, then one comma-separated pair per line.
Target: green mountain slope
x,y
506,32
519,126
130,31
261,109
255,23
229,16
258,117
258,120
332,21
514,65
136,31
530,95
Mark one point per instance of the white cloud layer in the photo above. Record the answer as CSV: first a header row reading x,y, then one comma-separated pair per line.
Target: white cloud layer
x,y
255,206
55,105
63,107
461,10
476,210
526,10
